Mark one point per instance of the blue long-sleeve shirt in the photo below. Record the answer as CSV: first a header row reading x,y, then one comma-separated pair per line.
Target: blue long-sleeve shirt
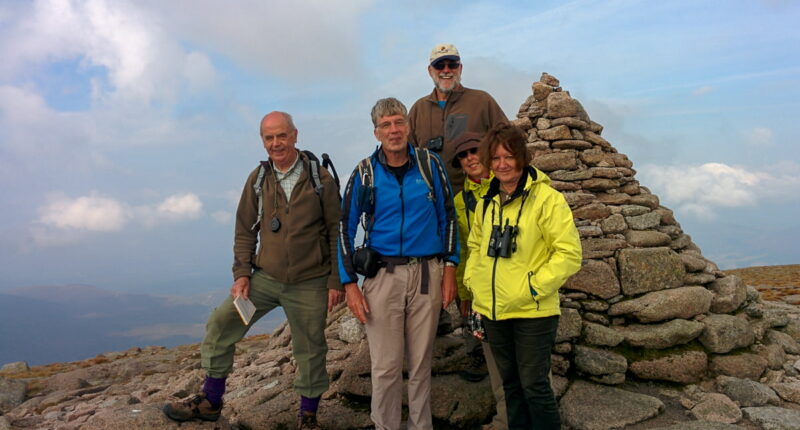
x,y
407,223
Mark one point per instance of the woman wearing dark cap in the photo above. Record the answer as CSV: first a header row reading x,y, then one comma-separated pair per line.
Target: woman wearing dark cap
x,y
523,245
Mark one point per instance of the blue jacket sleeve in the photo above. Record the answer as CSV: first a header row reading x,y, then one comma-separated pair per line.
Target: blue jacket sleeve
x,y
348,225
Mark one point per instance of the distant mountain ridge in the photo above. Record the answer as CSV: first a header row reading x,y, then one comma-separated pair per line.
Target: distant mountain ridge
x,y
59,323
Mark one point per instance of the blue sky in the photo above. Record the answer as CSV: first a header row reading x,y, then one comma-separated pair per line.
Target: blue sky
x,y
127,128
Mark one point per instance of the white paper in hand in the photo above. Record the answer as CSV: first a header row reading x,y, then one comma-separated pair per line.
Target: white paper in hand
x,y
245,307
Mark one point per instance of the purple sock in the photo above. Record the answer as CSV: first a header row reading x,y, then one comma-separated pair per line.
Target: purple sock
x,y
309,405
214,389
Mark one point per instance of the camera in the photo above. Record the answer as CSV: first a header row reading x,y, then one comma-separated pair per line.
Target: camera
x,y
503,243
436,144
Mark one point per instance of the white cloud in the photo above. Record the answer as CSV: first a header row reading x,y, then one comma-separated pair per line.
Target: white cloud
x,y
64,220
704,189
90,213
758,136
141,60
181,206
703,90
290,39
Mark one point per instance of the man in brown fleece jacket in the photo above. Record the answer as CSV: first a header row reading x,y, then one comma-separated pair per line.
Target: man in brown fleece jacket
x,y
451,109
294,267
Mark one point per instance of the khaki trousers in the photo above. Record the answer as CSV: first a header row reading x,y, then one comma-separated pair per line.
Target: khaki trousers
x,y
402,322
305,305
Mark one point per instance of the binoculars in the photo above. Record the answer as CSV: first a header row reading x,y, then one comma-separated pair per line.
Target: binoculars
x,y
503,243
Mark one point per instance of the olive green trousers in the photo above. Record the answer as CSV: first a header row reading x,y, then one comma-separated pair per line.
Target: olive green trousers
x,y
305,304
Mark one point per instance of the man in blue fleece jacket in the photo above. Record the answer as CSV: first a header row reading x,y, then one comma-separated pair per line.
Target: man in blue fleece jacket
x,y
413,228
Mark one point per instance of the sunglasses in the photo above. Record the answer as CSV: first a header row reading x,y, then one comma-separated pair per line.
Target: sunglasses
x,y
463,154
442,64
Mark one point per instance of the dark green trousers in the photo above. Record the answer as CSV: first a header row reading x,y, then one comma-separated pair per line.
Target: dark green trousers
x,y
305,304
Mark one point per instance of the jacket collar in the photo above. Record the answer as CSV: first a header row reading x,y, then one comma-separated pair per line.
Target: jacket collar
x,y
522,185
470,186
380,157
453,96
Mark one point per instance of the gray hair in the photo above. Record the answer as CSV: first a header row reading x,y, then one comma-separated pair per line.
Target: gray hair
x,y
388,107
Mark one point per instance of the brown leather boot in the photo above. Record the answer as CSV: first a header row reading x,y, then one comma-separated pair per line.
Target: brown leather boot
x,y
193,408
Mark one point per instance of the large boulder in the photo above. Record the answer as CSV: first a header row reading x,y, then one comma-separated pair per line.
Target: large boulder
x,y
651,269
600,335
724,333
745,365
789,345
660,336
789,391
560,104
569,325
773,417
684,302
596,278
599,362
685,367
747,392
587,406
556,161
729,293
12,394
718,408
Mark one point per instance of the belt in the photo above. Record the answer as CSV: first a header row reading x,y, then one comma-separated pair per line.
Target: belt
x,y
390,262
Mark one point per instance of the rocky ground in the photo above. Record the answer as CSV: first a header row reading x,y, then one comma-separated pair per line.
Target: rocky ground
x,y
125,390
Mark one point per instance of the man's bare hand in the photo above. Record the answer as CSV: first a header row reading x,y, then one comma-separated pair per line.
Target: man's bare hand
x,y
356,302
448,285
465,307
241,287
334,298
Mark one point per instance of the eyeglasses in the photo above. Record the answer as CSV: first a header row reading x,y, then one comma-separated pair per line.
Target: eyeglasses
x,y
463,154
442,64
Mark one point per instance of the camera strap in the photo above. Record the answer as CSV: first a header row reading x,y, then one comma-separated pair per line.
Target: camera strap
x,y
525,194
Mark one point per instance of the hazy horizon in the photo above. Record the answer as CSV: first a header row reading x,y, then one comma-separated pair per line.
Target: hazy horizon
x,y
127,128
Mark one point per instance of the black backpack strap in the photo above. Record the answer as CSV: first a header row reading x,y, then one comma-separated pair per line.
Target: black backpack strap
x,y
424,162
367,176
328,164
313,163
262,171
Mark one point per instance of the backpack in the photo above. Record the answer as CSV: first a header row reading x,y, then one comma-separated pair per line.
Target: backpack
x,y
316,183
367,176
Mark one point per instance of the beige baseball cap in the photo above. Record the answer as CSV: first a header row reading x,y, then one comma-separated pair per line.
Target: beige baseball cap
x,y
444,51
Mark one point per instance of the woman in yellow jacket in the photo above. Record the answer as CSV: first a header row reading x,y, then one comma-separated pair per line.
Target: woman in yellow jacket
x,y
523,246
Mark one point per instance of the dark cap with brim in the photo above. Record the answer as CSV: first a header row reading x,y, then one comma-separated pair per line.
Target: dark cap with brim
x,y
464,142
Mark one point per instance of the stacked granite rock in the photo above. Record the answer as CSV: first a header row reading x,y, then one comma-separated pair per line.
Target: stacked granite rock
x,y
646,303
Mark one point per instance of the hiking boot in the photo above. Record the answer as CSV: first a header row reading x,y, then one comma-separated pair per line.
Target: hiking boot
x,y
308,420
475,370
194,408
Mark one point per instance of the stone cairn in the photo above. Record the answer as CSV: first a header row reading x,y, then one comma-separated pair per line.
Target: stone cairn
x,y
646,303
652,334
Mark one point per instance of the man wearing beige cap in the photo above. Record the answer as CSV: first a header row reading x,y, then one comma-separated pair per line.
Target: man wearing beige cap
x,y
444,114
441,116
